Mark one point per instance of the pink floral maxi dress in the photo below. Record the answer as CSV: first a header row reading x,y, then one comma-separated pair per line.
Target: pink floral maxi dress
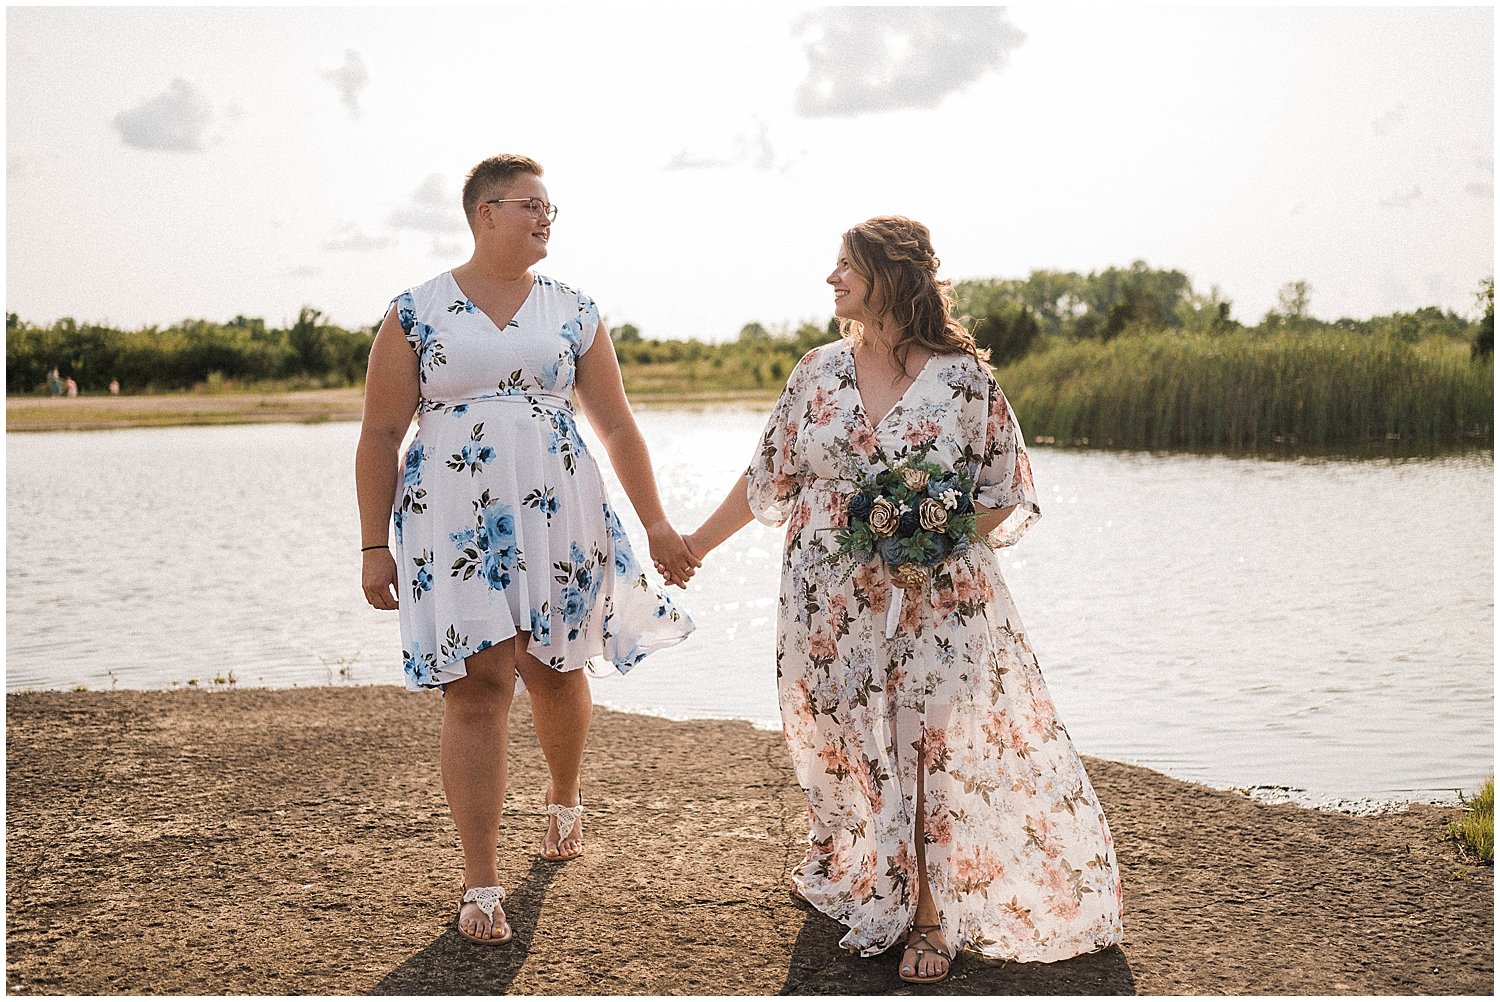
x,y
1019,855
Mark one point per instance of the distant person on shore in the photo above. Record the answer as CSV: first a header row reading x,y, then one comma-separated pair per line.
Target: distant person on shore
x,y
947,806
72,387
54,383
511,570
114,387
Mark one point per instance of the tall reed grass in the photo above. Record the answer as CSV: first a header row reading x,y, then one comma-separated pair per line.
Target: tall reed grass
x,y
1246,390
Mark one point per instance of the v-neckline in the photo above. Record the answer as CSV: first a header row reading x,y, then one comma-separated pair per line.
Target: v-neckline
x,y
480,309
860,394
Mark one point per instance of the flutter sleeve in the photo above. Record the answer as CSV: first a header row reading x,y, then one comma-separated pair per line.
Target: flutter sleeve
x,y
774,474
1004,478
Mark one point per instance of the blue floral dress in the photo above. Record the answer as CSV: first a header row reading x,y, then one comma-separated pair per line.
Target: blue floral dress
x,y
501,520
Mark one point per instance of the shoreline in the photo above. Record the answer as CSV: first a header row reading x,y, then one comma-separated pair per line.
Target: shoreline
x,y
33,414
168,410
1262,793
295,841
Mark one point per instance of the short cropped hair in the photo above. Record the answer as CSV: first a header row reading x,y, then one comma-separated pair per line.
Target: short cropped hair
x,y
491,174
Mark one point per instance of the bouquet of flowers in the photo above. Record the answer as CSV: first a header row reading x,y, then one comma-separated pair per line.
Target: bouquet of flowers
x,y
913,516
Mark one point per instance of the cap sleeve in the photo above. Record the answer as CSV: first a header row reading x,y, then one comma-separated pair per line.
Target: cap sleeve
x,y
406,313
773,476
1004,478
588,320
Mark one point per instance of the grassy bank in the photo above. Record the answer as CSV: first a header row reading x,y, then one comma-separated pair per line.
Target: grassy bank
x,y
1171,390
238,406
1247,390
1475,831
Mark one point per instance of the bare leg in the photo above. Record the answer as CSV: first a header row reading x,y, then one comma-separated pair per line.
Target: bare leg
x,y
561,709
931,964
476,711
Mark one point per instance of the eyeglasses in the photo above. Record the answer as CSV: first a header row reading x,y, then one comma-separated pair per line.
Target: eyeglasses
x,y
535,206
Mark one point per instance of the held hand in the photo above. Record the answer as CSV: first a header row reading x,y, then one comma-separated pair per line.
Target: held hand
x,y
989,519
696,546
674,561
378,577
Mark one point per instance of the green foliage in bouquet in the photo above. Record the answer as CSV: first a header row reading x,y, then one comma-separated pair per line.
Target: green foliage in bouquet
x,y
913,516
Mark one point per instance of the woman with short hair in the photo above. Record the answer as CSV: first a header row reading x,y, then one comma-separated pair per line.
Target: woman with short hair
x,y
510,569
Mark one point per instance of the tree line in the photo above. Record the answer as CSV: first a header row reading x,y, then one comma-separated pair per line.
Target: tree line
x,y
1013,318
185,355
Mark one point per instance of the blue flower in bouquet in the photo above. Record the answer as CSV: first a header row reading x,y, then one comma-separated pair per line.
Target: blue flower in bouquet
x,y
911,517
937,549
859,507
892,550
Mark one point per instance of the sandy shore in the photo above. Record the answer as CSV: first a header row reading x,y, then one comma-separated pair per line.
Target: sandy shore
x,y
296,841
92,413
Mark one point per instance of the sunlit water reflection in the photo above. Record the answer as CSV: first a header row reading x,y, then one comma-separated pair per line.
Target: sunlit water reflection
x,y
1321,625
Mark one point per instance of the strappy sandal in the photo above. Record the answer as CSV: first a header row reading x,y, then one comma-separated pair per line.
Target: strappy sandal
x,y
488,899
911,944
566,818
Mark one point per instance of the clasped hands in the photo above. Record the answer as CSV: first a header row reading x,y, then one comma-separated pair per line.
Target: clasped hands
x,y
673,554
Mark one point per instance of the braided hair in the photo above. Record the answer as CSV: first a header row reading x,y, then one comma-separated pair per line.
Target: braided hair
x,y
894,254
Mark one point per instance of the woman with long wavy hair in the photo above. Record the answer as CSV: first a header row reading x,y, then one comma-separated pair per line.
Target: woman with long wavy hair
x,y
947,807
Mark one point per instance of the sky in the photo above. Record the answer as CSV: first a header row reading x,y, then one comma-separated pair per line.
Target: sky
x,y
172,162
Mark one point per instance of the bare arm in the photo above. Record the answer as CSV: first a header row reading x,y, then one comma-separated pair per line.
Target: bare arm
x,y
732,515
391,394
601,395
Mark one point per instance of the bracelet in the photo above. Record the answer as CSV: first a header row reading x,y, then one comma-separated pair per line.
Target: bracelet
x,y
378,546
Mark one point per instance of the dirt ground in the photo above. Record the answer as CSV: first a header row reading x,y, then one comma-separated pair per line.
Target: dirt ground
x,y
296,842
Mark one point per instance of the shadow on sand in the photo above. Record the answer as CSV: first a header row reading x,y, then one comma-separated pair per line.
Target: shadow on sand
x,y
451,965
819,966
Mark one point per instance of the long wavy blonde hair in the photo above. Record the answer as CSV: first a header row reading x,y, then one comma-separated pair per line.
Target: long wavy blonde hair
x,y
894,254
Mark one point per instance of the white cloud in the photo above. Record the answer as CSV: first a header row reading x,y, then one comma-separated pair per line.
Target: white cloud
x,y
754,150
1400,199
1485,186
872,59
432,209
446,248
174,120
351,238
1388,121
349,79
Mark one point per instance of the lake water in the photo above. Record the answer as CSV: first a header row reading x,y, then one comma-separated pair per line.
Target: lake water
x,y
1313,626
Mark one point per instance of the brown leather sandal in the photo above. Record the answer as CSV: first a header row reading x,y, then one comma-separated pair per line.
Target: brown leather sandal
x,y
921,932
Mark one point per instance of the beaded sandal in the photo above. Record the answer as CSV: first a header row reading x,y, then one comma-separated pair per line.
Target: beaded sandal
x,y
911,944
488,899
567,818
